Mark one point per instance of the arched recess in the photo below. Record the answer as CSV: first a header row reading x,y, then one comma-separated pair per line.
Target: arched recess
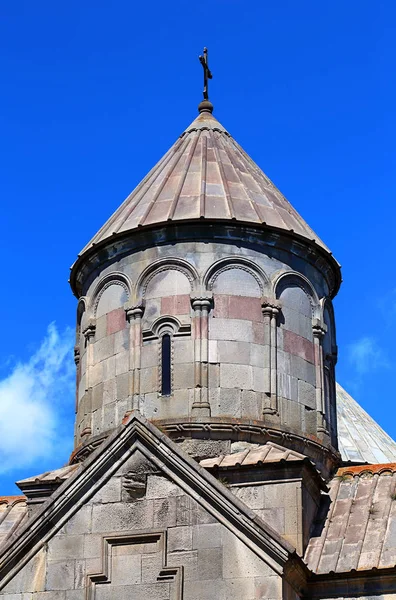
x,y
165,288
164,265
297,371
81,319
243,265
111,293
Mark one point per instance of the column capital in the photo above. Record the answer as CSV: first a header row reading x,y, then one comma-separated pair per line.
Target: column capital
x,y
319,328
270,306
90,329
199,302
76,354
134,311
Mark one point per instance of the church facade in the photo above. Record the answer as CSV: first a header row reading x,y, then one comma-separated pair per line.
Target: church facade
x,y
215,456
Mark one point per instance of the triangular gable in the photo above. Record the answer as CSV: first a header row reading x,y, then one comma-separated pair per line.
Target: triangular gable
x,y
140,435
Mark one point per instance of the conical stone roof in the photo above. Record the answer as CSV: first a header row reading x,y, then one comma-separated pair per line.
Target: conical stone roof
x,y
360,438
205,175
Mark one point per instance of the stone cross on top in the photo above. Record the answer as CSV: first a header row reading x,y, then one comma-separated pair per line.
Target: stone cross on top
x,y
207,73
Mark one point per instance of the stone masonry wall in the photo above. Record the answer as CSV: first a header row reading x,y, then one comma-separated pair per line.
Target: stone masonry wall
x,y
224,360
129,548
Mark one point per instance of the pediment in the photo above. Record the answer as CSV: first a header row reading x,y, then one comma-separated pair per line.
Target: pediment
x,y
136,468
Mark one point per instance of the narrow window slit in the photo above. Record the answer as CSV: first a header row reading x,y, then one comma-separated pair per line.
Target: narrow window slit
x,y
166,365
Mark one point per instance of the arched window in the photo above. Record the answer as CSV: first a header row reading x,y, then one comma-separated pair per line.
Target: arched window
x,y
166,387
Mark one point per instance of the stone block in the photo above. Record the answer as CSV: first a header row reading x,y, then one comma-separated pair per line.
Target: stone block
x,y
259,355
75,594
109,416
122,362
297,345
103,348
122,382
97,396
159,486
97,421
260,379
306,394
109,368
110,492
213,354
101,328
176,305
81,522
189,561
240,589
210,563
183,376
151,567
268,587
126,569
60,575
206,590
150,354
121,341
121,517
96,374
296,322
63,547
149,405
274,517
301,369
109,392
149,380
206,536
164,510
226,402
252,495
239,560
116,321
243,307
214,376
258,333
233,352
152,311
180,539
251,404
93,545
236,376
183,350
231,329
220,308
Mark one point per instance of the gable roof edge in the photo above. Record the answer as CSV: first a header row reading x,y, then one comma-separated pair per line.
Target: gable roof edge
x,y
193,479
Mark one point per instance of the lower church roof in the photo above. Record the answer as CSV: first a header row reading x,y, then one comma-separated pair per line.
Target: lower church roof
x,y
357,525
360,438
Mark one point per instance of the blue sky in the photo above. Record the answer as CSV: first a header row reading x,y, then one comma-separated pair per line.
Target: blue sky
x,y
93,93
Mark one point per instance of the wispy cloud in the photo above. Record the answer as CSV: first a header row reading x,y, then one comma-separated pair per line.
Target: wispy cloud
x,y
365,355
34,397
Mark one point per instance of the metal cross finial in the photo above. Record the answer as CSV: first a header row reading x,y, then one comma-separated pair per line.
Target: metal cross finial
x,y
207,73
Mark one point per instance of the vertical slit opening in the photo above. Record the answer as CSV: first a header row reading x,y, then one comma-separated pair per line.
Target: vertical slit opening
x,y
166,365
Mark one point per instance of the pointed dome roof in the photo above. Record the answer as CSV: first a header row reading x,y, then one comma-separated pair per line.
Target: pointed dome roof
x,y
205,175
360,438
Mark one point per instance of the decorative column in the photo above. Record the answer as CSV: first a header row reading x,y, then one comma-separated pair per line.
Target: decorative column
x,y
134,316
89,335
270,308
201,307
319,329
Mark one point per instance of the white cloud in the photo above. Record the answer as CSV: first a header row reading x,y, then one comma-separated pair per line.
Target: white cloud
x,y
365,355
33,398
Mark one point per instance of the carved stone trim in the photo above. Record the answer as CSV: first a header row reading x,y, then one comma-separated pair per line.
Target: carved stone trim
x,y
296,279
107,281
234,263
166,324
165,264
173,575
